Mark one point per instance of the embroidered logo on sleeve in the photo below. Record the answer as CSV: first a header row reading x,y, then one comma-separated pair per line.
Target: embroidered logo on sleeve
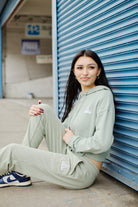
x,y
87,110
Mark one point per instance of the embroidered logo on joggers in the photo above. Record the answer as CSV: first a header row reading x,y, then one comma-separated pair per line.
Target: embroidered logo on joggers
x,y
64,165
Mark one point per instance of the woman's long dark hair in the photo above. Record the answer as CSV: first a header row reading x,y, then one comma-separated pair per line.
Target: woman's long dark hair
x,y
73,86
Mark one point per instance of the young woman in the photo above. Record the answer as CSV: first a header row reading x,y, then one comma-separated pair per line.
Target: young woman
x,y
78,145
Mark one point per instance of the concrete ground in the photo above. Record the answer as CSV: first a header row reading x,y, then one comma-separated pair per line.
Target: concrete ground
x,y
106,191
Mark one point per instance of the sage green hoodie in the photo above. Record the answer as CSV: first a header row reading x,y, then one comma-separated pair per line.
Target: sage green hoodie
x,y
92,120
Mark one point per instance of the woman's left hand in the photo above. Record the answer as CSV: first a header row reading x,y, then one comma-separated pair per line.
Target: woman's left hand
x,y
68,135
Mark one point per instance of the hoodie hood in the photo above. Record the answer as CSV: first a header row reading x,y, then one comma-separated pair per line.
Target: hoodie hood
x,y
93,90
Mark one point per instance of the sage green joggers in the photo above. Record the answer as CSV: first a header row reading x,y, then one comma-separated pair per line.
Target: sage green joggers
x,y
58,164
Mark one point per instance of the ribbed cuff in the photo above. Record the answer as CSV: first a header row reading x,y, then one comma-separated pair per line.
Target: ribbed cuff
x,y
71,142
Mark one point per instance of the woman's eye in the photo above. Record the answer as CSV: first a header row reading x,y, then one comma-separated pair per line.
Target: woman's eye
x,y
91,67
79,67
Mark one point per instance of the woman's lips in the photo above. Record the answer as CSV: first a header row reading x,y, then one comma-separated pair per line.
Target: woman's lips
x,y
84,78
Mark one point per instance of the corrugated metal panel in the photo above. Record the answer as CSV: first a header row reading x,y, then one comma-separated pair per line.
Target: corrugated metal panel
x,y
8,9
2,4
110,29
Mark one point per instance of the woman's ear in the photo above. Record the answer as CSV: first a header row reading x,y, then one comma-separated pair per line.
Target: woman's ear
x,y
73,70
99,71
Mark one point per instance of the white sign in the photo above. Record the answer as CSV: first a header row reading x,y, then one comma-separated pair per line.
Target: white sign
x,y
38,30
43,59
30,47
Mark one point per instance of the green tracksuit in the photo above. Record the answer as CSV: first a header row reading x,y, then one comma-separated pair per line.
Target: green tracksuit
x,y
91,120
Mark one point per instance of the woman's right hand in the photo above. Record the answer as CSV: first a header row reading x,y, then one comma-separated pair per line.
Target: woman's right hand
x,y
35,110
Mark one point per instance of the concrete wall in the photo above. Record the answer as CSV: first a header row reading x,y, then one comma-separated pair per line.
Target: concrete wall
x,y
22,70
39,87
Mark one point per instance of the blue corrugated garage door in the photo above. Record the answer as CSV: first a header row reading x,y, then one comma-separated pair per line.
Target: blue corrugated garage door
x,y
109,28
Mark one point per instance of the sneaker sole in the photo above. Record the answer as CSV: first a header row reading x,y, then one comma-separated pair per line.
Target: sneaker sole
x,y
24,184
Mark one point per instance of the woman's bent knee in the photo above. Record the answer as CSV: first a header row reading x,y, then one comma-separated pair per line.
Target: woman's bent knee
x,y
47,109
45,106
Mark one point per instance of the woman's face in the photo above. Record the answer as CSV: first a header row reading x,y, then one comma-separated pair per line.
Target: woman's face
x,y
86,71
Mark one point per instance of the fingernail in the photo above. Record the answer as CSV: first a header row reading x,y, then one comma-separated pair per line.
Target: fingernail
x,y
38,113
41,109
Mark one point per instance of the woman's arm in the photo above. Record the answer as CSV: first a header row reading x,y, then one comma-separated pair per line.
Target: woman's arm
x,y
102,138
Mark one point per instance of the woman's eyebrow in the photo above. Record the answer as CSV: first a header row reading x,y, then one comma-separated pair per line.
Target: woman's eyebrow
x,y
92,64
88,64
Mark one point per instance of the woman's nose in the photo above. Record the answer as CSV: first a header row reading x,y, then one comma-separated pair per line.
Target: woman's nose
x,y
85,71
